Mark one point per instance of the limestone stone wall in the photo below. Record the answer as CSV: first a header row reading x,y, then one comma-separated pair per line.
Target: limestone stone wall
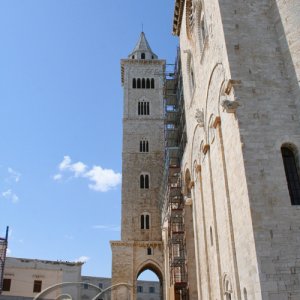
x,y
246,228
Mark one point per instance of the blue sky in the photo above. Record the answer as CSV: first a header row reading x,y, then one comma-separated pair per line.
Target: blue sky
x,y
61,121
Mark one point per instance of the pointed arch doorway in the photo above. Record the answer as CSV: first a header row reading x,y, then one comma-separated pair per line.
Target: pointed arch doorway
x,y
149,280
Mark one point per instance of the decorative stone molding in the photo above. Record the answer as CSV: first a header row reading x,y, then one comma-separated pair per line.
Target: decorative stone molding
x,y
191,184
198,168
206,148
199,116
216,122
230,106
188,201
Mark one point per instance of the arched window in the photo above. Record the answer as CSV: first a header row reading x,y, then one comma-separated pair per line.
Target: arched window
x,y
144,181
132,56
143,108
134,83
138,83
228,289
143,56
152,83
145,221
148,83
143,83
291,173
144,146
149,251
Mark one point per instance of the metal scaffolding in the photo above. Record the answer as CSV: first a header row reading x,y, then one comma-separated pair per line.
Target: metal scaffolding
x,y
172,202
3,249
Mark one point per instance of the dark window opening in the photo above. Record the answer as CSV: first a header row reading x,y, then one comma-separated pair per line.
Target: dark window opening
x,y
144,146
142,182
139,289
151,289
152,56
152,83
147,221
142,222
291,174
134,83
6,284
143,56
146,181
143,108
132,56
148,83
149,251
138,83
143,83
37,286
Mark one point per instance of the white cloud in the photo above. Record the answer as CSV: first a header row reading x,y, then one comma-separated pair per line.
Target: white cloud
x,y
107,227
82,259
78,168
101,180
10,195
65,164
14,175
57,177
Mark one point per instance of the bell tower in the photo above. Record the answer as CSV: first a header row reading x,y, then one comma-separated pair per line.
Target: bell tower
x,y
140,247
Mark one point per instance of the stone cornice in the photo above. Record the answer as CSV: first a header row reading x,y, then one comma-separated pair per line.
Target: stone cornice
x,y
140,62
143,244
178,12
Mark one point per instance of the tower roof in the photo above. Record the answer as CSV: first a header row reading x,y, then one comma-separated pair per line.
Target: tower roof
x,y
142,46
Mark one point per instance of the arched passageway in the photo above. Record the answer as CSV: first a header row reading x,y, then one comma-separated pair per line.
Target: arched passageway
x,y
149,283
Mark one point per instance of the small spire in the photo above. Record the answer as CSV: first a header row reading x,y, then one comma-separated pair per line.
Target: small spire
x,y
142,50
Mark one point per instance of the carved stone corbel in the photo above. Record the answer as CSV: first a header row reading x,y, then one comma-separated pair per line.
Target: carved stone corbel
x,y
206,148
230,106
199,116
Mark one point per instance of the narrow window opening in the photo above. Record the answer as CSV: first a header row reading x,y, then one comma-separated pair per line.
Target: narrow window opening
x,y
142,181
143,56
148,83
6,285
291,174
143,83
132,56
211,237
141,146
142,222
147,221
146,181
37,286
138,83
149,251
152,83
134,83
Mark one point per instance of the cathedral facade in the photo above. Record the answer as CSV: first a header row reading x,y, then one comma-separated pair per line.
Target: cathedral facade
x,y
211,189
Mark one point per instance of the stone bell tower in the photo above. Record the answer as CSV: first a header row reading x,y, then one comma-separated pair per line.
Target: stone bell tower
x,y
140,247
